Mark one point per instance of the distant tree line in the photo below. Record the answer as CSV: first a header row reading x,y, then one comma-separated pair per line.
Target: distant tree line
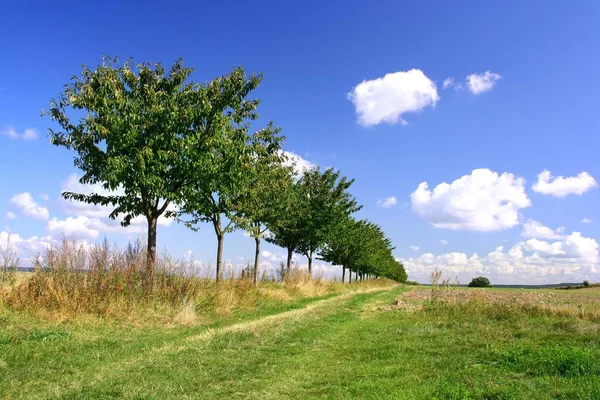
x,y
162,145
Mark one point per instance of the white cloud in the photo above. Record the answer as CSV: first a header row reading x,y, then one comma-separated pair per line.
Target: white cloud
x,y
534,229
578,246
586,221
387,99
481,201
414,248
388,202
561,186
275,257
45,196
444,241
300,164
571,259
28,134
78,228
25,247
30,208
11,215
541,246
451,83
479,83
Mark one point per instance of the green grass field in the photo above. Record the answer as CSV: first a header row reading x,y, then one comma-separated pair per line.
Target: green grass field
x,y
381,343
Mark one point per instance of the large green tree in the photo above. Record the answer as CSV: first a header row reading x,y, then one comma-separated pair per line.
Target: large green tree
x,y
228,170
261,200
134,130
326,205
286,223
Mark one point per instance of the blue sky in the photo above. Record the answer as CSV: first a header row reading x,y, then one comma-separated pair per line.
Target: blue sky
x,y
360,86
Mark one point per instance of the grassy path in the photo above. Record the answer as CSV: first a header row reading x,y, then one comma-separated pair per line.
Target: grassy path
x,y
92,365
340,347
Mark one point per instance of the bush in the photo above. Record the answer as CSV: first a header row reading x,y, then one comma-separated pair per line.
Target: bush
x,y
480,282
586,284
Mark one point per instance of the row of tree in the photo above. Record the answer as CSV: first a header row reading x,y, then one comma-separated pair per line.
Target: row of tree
x,y
162,145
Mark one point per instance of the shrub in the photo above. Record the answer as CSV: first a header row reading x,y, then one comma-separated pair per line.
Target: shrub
x,y
480,282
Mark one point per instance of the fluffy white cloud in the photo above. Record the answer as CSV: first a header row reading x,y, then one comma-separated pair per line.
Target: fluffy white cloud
x,y
11,215
414,248
25,247
300,164
386,99
481,201
534,229
78,228
28,134
577,246
29,207
571,259
541,246
586,221
479,83
561,186
444,241
388,202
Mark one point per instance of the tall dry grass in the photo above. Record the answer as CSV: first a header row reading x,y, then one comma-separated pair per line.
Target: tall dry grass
x,y
106,281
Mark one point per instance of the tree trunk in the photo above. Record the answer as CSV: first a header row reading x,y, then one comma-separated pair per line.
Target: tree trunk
x,y
349,276
356,276
256,258
343,274
220,237
151,254
310,258
289,260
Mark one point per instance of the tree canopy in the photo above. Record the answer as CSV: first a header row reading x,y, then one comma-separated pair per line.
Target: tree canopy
x,y
481,281
136,135
230,164
161,145
326,204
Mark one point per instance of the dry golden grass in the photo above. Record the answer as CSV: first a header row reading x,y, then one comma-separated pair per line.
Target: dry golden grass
x,y
499,302
106,282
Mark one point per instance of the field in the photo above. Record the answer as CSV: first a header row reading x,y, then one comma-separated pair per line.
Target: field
x,y
372,342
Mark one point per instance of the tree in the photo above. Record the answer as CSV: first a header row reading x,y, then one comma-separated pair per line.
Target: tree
x,y
361,247
227,170
586,284
481,282
258,203
326,205
137,137
286,223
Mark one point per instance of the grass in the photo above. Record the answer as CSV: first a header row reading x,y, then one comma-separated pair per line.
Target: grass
x,y
65,334
376,343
